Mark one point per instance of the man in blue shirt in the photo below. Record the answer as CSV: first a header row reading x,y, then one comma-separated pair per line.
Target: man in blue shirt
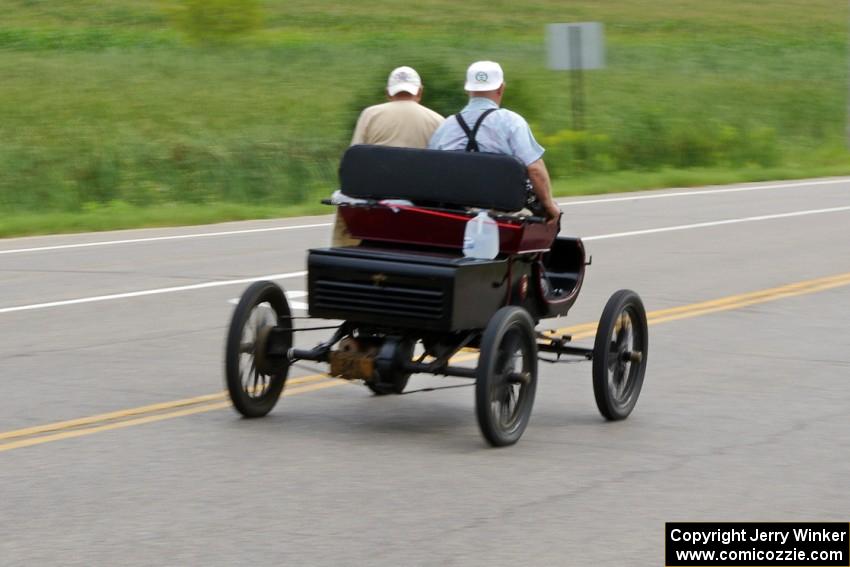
x,y
484,127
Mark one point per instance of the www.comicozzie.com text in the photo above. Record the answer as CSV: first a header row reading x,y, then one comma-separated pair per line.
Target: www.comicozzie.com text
x,y
728,536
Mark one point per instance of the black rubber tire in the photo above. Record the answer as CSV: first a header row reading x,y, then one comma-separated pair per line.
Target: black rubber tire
x,y
616,383
247,403
510,328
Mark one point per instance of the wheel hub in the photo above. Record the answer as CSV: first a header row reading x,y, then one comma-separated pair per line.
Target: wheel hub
x,y
261,342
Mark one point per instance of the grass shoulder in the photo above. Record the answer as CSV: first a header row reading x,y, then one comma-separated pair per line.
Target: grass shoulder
x,y
622,181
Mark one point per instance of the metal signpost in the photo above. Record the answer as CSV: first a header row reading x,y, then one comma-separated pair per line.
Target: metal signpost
x,y
574,48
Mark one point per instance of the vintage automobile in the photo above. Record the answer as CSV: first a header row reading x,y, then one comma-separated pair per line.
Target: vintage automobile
x,y
405,300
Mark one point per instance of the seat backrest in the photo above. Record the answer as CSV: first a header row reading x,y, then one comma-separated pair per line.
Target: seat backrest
x,y
488,181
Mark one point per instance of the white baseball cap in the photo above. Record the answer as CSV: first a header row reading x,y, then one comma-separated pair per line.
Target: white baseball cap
x,y
484,76
404,79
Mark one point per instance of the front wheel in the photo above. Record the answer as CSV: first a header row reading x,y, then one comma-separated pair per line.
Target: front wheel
x,y
619,355
506,377
254,374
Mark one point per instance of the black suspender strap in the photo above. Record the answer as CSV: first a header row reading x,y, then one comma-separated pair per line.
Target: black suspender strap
x,y
472,144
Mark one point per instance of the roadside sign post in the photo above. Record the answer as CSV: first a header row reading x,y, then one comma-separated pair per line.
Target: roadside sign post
x,y
574,48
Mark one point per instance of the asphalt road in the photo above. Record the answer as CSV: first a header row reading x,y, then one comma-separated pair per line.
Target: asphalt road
x,y
743,415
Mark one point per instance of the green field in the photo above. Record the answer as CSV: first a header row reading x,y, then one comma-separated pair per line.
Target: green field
x,y
113,116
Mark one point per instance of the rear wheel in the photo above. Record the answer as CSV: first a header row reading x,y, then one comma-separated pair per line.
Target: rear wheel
x,y
506,377
619,355
255,376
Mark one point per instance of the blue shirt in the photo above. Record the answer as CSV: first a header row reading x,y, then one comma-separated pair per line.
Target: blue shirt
x,y
502,132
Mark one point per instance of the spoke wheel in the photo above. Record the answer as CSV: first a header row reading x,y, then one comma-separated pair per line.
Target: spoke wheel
x,y
619,355
506,377
254,379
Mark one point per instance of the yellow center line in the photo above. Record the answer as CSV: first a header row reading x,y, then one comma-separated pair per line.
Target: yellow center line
x,y
723,304
30,441
121,414
69,429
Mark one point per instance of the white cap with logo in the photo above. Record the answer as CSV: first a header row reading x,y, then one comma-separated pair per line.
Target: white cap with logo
x,y
404,79
484,76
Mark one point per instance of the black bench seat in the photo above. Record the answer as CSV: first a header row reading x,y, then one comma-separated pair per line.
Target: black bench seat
x,y
434,177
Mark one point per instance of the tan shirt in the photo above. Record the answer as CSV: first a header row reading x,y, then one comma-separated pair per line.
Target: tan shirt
x,y
400,123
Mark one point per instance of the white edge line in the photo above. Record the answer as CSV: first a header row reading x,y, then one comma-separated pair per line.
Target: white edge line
x,y
145,292
696,192
715,223
302,273
160,238
635,197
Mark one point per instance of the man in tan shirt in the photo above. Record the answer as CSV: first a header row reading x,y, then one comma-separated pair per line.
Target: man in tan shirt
x,y
400,122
